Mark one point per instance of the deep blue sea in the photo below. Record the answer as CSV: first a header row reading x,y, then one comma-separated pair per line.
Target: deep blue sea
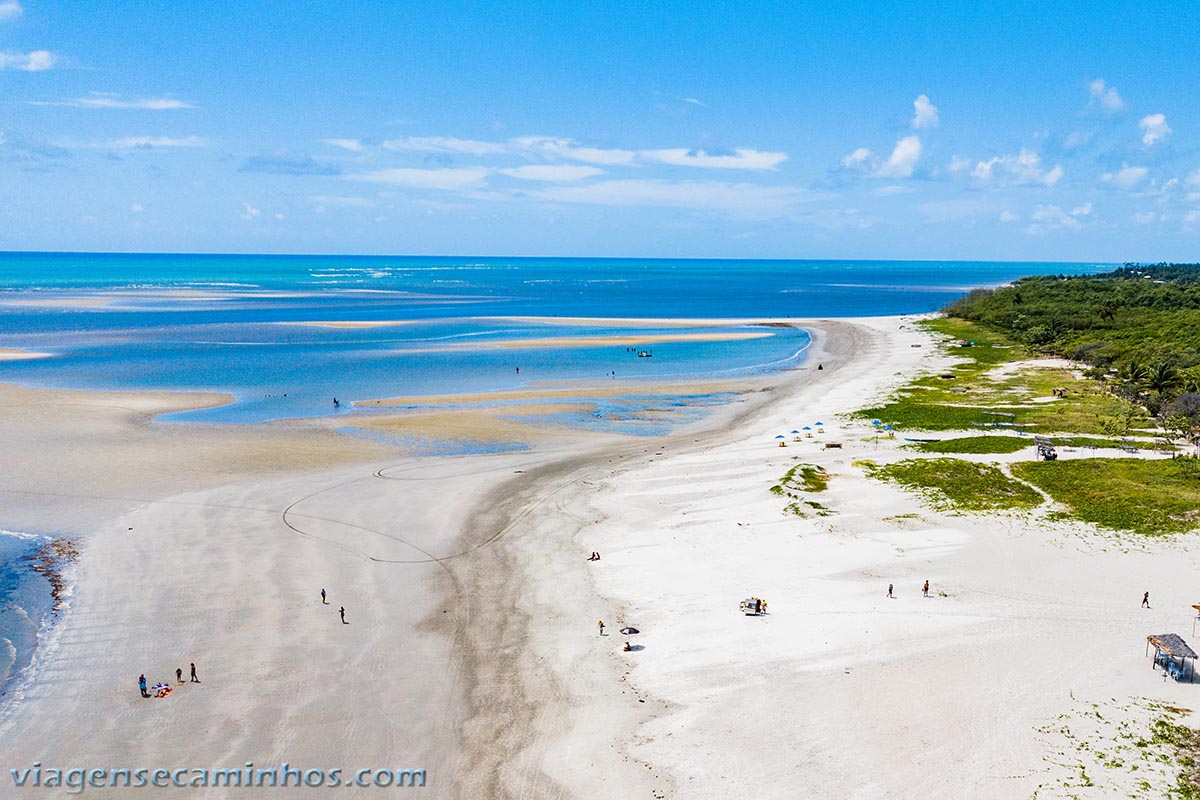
x,y
227,324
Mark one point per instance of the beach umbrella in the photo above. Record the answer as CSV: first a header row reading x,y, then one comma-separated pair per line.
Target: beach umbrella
x,y
887,427
781,436
876,422
795,431
629,631
820,423
807,428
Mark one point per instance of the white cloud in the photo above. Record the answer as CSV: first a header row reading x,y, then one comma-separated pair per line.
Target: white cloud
x,y
553,173
10,9
109,100
1194,178
888,191
1048,218
694,102
927,113
1144,217
353,145
1127,177
738,198
137,208
858,158
1077,139
37,61
280,216
1192,217
448,179
446,144
552,147
903,160
741,158
249,212
151,143
960,164
1008,216
1023,169
1155,127
1105,97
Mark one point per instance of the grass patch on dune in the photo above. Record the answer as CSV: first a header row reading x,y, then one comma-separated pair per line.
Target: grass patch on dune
x,y
975,444
956,398
806,478
797,480
1126,494
952,483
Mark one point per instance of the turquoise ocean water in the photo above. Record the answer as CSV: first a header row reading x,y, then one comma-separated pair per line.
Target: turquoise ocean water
x,y
223,323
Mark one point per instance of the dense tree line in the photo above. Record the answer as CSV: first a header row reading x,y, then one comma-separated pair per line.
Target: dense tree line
x,y
1137,327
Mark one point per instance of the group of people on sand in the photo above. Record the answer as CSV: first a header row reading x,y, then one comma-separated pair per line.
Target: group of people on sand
x,y
162,689
341,609
924,590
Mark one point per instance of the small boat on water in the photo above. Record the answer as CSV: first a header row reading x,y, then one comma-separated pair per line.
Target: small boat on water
x,y
907,439
645,354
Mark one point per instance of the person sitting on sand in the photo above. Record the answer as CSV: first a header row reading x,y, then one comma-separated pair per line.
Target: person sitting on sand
x,y
628,647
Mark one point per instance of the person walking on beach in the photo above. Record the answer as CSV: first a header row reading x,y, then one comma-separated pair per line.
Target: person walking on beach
x,y
142,685
1146,600
179,674
925,588
324,602
194,679
601,626
342,614
890,587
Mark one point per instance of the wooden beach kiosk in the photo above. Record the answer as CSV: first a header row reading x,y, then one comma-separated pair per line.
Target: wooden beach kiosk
x,y
1172,654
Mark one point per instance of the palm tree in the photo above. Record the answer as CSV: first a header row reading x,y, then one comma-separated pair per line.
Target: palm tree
x,y
1108,310
1162,376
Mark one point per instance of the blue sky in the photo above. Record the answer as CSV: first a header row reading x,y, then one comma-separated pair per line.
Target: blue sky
x,y
1024,130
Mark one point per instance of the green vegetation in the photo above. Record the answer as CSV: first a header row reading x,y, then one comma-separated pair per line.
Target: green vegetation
x,y
981,384
1186,743
957,484
1128,494
975,444
1138,327
803,478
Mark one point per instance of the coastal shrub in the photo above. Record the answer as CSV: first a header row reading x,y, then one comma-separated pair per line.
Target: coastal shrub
x,y
975,444
952,483
1129,494
806,477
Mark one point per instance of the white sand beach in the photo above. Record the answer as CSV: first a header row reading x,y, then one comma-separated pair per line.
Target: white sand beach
x,y
472,648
